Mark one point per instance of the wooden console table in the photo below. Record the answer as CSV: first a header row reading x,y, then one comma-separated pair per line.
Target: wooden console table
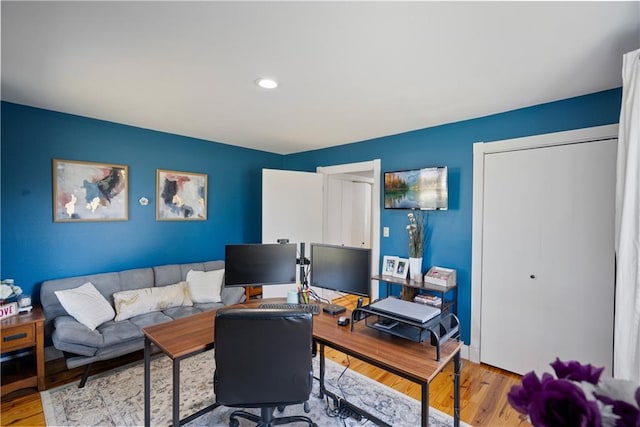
x,y
23,347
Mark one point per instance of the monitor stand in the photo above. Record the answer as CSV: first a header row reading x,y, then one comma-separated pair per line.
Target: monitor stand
x,y
334,309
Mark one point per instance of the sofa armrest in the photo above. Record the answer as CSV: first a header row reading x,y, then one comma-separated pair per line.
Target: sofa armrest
x,y
232,295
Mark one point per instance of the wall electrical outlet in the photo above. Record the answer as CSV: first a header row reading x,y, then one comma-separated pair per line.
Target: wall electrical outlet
x,y
385,231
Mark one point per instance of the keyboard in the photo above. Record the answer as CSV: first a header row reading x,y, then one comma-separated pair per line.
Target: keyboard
x,y
310,308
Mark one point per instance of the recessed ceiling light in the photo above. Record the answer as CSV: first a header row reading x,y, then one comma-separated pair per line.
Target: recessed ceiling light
x,y
266,83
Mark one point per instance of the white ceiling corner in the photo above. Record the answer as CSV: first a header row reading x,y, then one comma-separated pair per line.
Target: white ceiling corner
x,y
348,71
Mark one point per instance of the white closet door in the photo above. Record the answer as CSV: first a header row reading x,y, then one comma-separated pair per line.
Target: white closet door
x,y
548,256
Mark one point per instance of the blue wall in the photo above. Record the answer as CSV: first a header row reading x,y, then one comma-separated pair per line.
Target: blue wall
x,y
452,145
34,248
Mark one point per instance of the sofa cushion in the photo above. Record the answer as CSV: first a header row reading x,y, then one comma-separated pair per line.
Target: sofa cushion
x,y
178,312
232,295
72,336
149,319
70,331
186,268
205,286
114,333
69,347
211,265
167,274
86,305
209,305
106,283
137,279
140,301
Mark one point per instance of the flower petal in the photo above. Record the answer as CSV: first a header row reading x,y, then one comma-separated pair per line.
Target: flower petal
x,y
573,370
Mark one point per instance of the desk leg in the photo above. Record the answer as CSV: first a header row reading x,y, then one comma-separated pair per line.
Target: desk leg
x,y
321,387
147,382
425,405
176,392
457,365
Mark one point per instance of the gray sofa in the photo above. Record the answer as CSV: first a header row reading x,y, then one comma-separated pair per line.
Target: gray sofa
x,y
83,346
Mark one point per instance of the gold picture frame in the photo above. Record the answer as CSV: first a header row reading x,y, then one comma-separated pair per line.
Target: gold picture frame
x,y
181,196
89,191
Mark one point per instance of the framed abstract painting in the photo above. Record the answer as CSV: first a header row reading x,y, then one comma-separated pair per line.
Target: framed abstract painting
x,y
88,191
181,196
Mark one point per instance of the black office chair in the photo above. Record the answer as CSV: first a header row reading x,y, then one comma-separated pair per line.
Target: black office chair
x,y
263,360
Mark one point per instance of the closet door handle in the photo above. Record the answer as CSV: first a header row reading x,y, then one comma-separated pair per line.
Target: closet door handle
x,y
532,276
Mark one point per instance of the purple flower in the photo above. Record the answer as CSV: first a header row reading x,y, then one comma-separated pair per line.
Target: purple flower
x,y
574,371
577,397
553,402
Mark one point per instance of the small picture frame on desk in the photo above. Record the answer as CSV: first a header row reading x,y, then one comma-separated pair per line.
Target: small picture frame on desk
x,y
389,265
402,268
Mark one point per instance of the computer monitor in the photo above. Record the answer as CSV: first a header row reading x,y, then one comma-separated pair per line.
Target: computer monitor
x,y
341,268
257,264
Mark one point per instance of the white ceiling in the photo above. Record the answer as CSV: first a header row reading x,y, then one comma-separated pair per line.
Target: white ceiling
x,y
348,71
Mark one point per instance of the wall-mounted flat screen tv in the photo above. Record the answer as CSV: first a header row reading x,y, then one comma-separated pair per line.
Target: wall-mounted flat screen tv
x,y
424,189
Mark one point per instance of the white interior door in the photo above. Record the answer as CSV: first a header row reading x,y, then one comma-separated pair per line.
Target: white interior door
x,y
547,256
291,209
294,208
360,175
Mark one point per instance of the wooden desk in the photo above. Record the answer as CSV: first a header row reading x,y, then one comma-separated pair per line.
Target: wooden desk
x,y
178,339
413,361
416,362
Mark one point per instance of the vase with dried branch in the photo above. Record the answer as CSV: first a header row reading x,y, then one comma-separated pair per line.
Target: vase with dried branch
x,y
416,230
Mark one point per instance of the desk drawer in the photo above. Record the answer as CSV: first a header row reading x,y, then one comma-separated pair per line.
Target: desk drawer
x,y
17,337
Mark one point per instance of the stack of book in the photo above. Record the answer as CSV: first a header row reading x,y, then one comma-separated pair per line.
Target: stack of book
x,y
428,299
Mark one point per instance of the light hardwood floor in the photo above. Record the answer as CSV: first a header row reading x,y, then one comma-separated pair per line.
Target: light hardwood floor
x,y
483,389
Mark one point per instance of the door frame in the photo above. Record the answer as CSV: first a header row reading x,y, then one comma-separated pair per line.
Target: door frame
x,y
480,150
373,167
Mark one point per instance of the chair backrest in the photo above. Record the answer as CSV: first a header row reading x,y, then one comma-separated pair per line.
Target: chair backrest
x,y
263,357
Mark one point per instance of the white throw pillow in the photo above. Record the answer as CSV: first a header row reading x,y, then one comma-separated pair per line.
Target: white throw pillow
x,y
205,286
86,305
146,300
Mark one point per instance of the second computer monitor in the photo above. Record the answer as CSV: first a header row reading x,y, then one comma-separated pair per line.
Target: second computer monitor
x,y
260,264
341,268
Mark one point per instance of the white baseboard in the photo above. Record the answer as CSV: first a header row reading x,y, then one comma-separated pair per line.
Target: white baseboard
x,y
465,352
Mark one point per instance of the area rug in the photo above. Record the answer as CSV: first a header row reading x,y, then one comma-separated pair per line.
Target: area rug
x,y
116,398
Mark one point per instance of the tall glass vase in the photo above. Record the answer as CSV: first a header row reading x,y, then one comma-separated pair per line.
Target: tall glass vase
x,y
415,269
